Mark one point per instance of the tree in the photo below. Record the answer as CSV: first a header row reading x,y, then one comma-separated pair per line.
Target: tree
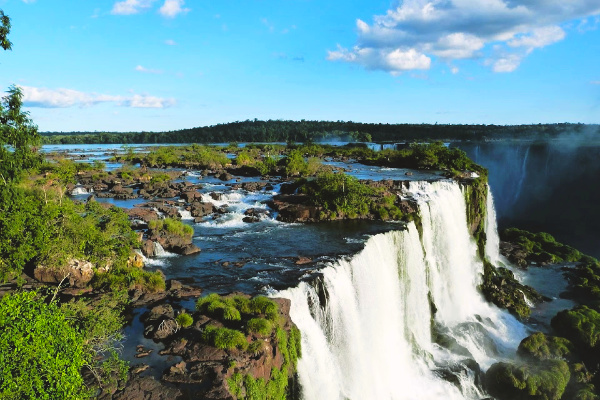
x,y
19,137
41,354
4,31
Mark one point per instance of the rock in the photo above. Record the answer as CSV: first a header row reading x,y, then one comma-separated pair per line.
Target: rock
x,y
138,369
191,196
186,250
144,213
160,312
290,208
148,248
225,176
136,260
303,261
253,186
78,272
147,388
200,209
216,196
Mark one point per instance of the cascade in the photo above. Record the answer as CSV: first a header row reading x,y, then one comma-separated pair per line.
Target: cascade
x,y
522,175
492,243
370,323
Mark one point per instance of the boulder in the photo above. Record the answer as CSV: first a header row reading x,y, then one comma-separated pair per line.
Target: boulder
x,y
144,213
191,196
78,272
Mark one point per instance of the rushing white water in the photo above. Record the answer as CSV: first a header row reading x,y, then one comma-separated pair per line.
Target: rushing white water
x,y
492,243
367,325
237,203
79,190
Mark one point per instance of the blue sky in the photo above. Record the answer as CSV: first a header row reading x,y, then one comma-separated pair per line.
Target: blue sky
x,y
156,65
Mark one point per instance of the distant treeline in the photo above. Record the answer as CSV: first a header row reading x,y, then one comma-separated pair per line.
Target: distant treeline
x,y
303,131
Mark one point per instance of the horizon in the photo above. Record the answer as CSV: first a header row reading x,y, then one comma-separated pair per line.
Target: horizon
x,y
167,65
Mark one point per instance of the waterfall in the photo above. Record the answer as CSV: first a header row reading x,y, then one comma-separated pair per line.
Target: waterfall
x,y
370,323
522,176
492,244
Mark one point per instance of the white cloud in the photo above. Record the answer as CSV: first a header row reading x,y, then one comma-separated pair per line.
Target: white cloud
x,y
170,42
172,8
128,7
454,70
463,29
394,61
595,82
539,37
145,70
62,98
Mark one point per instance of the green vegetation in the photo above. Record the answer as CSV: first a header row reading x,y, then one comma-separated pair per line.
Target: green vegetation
x,y
305,131
258,316
172,227
544,381
224,338
541,247
541,347
36,229
584,279
184,320
581,326
18,137
194,156
41,354
342,195
260,326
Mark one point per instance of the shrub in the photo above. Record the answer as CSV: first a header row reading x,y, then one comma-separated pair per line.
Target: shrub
x,y
41,354
184,320
259,326
224,338
171,226
266,306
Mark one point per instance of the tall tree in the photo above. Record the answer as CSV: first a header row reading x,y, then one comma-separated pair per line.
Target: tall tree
x,y
4,31
19,137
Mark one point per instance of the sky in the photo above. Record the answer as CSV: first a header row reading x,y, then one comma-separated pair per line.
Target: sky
x,y
159,65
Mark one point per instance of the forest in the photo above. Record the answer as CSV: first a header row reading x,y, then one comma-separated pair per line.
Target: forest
x,y
306,131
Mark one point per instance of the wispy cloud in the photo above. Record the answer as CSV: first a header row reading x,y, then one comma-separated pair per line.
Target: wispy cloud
x,y
62,98
145,70
413,33
172,8
128,7
595,82
170,42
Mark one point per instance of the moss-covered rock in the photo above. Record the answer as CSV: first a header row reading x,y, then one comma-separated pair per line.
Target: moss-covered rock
x,y
543,381
500,287
581,326
542,347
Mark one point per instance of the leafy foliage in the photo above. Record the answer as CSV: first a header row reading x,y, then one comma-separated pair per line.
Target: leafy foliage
x,y
184,319
41,354
18,137
171,226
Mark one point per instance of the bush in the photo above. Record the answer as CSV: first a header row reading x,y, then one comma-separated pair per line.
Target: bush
x,y
41,354
184,320
224,338
259,326
266,306
171,226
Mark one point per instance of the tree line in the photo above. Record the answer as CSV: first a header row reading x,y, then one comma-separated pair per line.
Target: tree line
x,y
306,131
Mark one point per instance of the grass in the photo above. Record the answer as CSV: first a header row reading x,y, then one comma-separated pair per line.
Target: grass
x,y
224,338
171,226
